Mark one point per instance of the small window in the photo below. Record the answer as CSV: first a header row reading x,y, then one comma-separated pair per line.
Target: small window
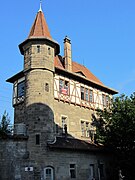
x,y
107,101
101,169
91,95
86,95
46,87
72,171
57,128
49,51
38,49
20,89
82,128
82,93
92,171
103,100
63,123
37,139
87,130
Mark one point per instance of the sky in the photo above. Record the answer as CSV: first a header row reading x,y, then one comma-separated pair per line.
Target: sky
x,y
102,34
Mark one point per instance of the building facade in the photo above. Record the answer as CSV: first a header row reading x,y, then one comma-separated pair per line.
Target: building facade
x,y
54,100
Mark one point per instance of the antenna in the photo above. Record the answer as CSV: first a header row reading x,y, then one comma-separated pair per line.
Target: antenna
x,y
40,9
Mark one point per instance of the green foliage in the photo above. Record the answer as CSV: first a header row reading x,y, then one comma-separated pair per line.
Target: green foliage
x,y
116,126
5,122
116,129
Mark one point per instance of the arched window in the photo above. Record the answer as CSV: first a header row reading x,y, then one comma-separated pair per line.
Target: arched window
x,y
49,173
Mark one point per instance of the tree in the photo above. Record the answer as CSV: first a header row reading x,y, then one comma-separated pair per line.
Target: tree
x,y
5,122
116,129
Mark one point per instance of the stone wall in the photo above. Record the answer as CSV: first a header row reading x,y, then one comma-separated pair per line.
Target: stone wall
x,y
15,160
74,116
12,157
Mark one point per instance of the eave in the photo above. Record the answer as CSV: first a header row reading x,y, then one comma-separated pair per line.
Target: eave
x,y
85,80
41,39
15,77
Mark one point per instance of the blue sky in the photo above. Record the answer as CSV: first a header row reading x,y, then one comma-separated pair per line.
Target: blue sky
x,y
102,35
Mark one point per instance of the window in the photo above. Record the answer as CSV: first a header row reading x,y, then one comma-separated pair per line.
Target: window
x,y
72,171
103,100
20,89
57,128
82,128
63,123
38,49
46,87
107,100
91,95
37,139
82,93
64,87
48,173
49,51
86,94
101,170
92,171
87,130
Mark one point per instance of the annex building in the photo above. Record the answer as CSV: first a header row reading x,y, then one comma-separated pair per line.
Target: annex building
x,y
54,100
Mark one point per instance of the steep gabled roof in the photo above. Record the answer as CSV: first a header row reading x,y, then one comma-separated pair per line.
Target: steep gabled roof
x,y
40,27
59,63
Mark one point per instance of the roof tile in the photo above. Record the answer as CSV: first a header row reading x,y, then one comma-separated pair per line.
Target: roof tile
x,y
77,68
39,27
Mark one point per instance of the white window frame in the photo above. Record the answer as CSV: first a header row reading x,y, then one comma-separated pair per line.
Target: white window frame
x,y
51,176
63,123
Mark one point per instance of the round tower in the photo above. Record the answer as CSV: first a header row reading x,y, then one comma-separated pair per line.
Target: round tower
x,y
39,51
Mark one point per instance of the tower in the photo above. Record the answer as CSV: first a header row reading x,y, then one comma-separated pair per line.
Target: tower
x,y
39,51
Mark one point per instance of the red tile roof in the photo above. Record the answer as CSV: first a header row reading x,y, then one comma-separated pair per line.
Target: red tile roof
x,y
40,28
76,144
77,68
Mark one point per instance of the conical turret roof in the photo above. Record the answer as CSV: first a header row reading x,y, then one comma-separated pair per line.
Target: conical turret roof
x,y
40,31
39,27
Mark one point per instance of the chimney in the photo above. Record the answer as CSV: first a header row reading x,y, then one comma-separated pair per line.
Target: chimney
x,y
67,54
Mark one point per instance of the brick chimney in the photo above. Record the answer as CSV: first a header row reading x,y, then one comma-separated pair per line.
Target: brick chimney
x,y
67,54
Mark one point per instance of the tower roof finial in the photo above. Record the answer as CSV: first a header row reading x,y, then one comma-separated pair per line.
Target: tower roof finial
x,y
40,9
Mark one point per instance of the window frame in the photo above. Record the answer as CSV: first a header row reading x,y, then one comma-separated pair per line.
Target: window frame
x,y
91,97
63,123
82,93
82,128
92,170
72,171
38,139
52,172
38,48
64,87
21,88
86,94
